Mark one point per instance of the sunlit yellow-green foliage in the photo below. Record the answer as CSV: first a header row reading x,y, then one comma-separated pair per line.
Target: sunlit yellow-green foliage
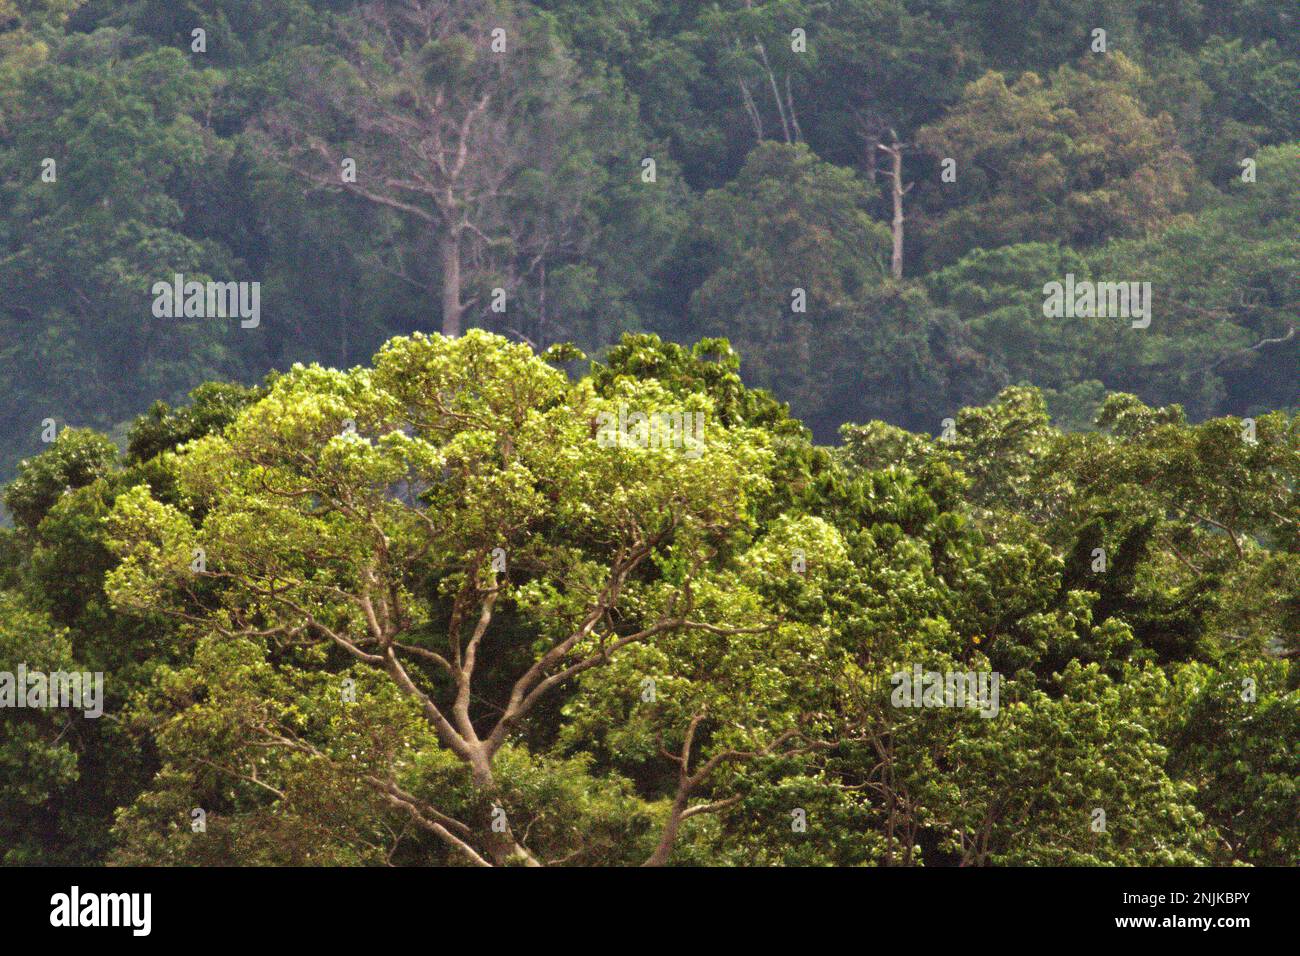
x,y
368,614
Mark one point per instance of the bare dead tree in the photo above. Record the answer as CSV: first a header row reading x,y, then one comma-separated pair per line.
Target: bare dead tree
x,y
776,92
439,113
789,105
784,107
894,150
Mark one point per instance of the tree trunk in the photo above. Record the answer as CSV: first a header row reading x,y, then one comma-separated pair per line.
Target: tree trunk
x,y
896,262
502,846
895,151
665,848
449,251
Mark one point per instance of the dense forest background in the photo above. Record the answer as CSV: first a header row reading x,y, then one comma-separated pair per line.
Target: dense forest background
x,y
365,593
224,164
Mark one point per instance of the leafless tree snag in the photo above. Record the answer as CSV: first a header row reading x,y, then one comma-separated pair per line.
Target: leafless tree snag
x,y
894,150
439,126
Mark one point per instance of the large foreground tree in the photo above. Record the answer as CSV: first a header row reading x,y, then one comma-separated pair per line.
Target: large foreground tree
x,y
456,521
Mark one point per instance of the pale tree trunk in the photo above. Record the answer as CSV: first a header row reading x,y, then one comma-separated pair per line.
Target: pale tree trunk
x,y
896,227
898,191
449,252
